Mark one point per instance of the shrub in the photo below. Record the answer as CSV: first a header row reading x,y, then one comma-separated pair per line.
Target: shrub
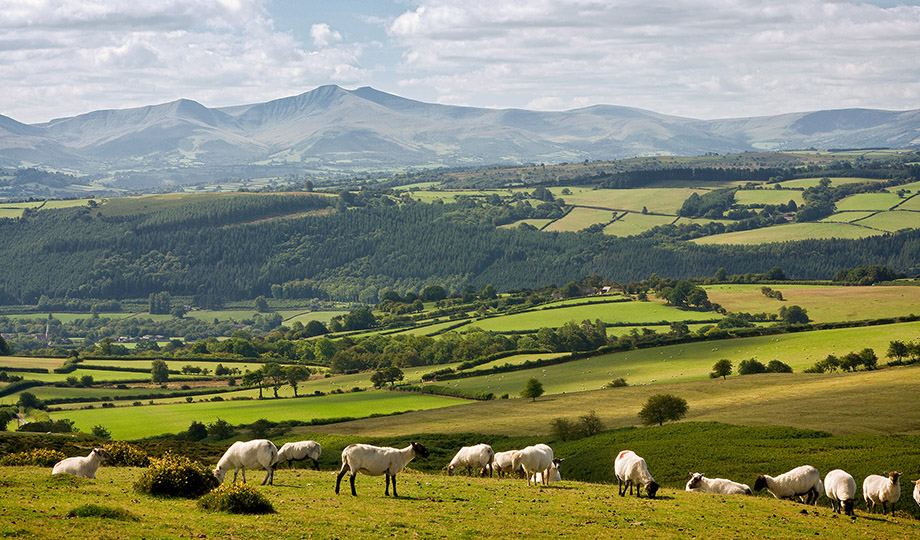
x,y
176,476
663,407
236,499
617,383
100,432
775,366
39,457
98,511
751,366
563,429
126,455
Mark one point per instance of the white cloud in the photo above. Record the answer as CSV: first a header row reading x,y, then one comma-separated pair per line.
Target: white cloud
x,y
323,35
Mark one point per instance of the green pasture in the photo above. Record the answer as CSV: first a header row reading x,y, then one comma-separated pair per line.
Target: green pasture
x,y
580,218
70,317
657,200
30,362
99,376
610,297
610,313
869,201
96,393
789,232
430,329
538,223
693,360
892,221
768,196
634,223
805,183
912,204
519,359
700,221
913,187
847,217
824,303
130,422
429,506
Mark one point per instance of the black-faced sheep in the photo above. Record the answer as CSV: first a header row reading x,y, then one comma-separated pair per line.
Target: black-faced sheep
x,y
882,489
375,461
299,451
553,475
533,459
840,488
804,481
477,457
699,483
502,463
630,469
84,467
254,454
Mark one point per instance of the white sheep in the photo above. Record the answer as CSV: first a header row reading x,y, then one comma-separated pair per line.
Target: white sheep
x,y
84,467
254,454
536,458
299,451
699,483
553,475
840,488
375,461
470,457
916,491
501,463
882,489
803,481
630,469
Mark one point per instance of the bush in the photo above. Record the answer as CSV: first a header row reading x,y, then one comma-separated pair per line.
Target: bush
x,y
39,457
100,432
775,366
663,407
236,499
176,476
563,429
617,383
751,366
98,511
125,455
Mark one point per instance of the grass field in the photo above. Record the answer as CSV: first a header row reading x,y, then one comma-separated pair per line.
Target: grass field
x,y
892,221
846,217
790,232
805,183
28,362
661,201
912,204
768,196
869,201
429,506
634,223
580,218
538,223
824,304
123,422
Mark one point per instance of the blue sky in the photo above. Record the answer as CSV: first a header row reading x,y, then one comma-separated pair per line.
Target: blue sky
x,y
695,58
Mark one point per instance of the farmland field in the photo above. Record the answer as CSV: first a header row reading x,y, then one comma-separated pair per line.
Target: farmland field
x,y
580,218
847,217
768,196
805,183
790,232
538,223
634,223
27,362
869,201
912,204
892,221
173,418
824,304
661,201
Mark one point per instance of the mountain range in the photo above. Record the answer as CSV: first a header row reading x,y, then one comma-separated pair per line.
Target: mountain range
x,y
333,130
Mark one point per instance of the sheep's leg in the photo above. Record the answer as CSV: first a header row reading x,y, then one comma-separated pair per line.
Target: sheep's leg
x,y
315,464
235,472
619,486
269,476
244,475
394,486
386,490
338,479
884,508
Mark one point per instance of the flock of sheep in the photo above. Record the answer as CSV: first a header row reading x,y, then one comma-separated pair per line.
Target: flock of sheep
x,y
538,465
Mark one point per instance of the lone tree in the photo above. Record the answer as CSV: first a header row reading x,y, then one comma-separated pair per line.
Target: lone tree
x,y
159,371
663,407
533,389
722,368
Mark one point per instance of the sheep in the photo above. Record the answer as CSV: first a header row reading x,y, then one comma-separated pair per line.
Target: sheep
x,y
840,488
501,463
804,481
553,474
84,467
376,460
536,458
299,451
917,491
254,454
479,456
698,482
879,489
630,469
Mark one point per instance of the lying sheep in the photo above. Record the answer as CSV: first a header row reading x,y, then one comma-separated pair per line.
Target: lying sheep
x,y
84,467
804,481
553,475
254,454
470,457
376,460
840,488
699,483
536,458
501,463
299,451
882,489
630,469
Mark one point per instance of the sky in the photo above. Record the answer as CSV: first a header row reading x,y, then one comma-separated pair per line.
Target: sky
x,y
695,58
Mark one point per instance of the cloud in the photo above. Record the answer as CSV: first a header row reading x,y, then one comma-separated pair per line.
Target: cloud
x,y
323,35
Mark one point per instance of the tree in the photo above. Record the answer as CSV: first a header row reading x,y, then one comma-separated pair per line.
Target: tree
x,y
897,349
274,375
87,380
178,311
533,389
722,368
433,293
751,366
775,366
196,431
793,315
5,348
591,424
261,304
100,432
28,400
159,371
360,319
254,378
220,430
663,407
488,293
295,374
563,429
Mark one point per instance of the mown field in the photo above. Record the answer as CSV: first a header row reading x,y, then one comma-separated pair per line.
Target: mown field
x,y
790,232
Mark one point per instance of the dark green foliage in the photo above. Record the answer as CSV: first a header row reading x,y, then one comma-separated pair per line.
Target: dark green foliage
x,y
722,368
711,204
867,275
126,455
54,426
28,400
794,315
532,389
563,429
102,512
236,499
196,431
100,432
617,383
775,366
220,430
751,366
176,476
5,349
661,408
447,391
159,371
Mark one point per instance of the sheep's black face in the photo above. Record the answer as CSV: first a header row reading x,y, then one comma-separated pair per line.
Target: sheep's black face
x,y
419,449
760,483
848,507
652,489
694,480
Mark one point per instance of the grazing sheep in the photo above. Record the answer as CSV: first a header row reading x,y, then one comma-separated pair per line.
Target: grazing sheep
x,y
630,470
881,489
536,458
698,482
299,451
254,454
840,488
552,475
84,467
804,481
501,463
917,491
376,460
479,457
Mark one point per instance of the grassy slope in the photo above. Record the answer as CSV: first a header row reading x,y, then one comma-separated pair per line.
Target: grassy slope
x,y
790,232
430,506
